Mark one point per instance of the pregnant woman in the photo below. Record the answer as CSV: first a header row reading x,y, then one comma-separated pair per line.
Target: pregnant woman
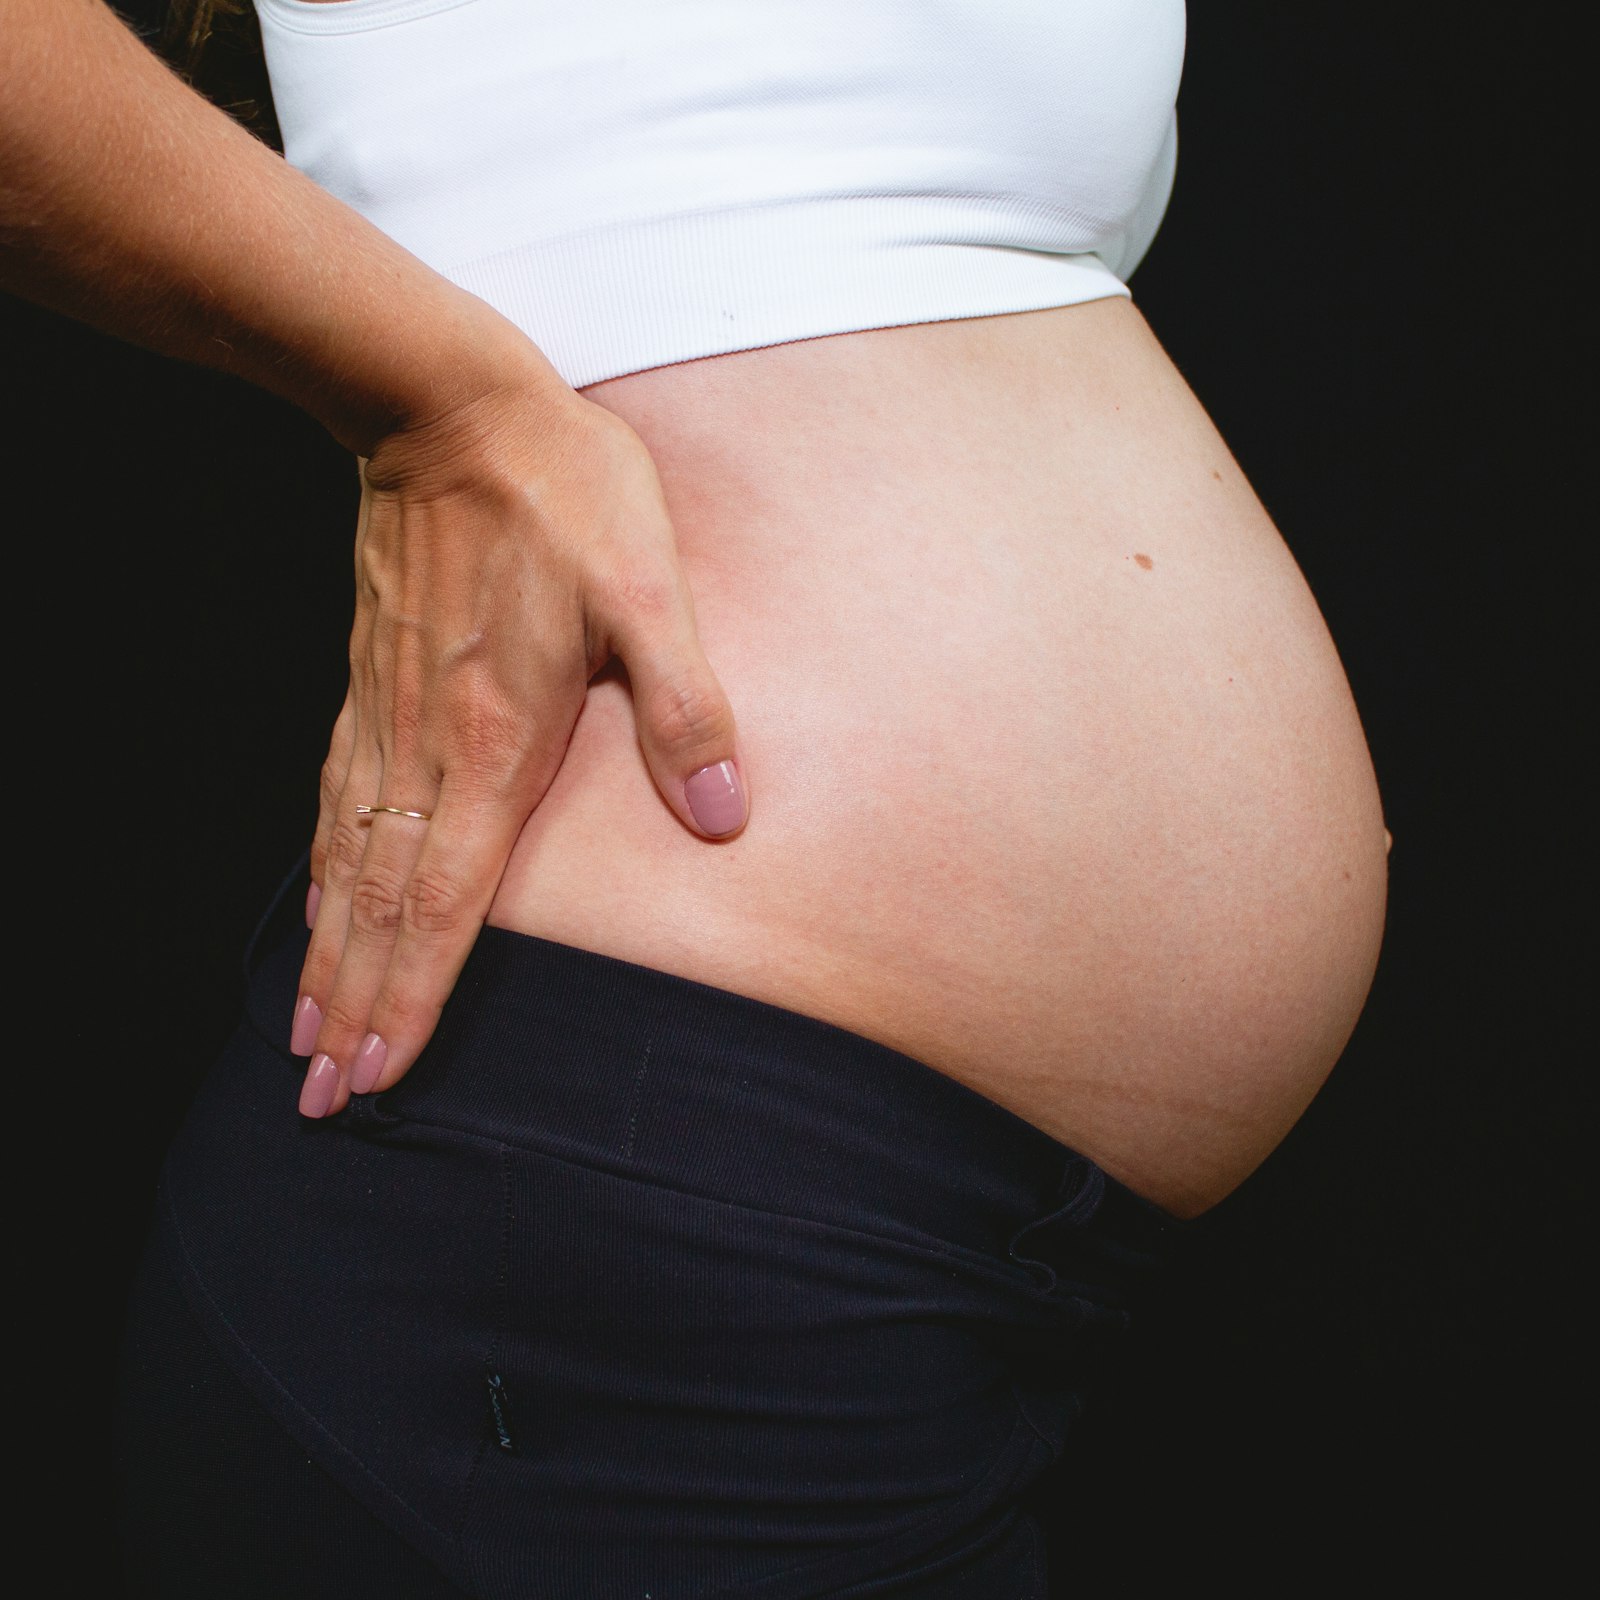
x,y
740,1210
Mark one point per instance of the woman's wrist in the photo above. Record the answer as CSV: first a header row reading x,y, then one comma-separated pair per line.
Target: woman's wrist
x,y
449,352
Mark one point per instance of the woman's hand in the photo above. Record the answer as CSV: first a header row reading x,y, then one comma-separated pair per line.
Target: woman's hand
x,y
505,551
513,535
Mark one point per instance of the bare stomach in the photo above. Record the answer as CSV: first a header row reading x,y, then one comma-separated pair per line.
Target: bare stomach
x,y
1056,781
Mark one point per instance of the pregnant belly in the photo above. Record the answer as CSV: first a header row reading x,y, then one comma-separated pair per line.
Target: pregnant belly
x,y
1056,781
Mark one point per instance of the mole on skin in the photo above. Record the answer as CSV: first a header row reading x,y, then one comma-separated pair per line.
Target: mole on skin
x,y
1144,561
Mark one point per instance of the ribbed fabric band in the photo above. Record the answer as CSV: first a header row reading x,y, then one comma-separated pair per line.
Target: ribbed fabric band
x,y
651,292
654,184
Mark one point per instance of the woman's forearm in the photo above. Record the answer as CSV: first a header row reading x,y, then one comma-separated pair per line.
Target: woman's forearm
x,y
130,202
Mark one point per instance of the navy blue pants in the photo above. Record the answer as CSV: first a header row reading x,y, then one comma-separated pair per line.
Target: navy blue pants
x,y
633,1287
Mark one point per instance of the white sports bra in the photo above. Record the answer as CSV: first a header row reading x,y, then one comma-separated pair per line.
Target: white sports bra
x,y
651,181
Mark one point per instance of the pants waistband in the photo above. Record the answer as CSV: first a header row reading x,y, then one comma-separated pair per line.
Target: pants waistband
x,y
656,1076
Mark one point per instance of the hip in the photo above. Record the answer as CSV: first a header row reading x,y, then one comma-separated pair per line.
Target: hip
x,y
599,1297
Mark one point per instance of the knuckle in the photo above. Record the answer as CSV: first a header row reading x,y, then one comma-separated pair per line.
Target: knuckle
x,y
687,711
347,847
405,1016
375,903
344,1018
342,739
318,974
643,592
486,729
330,785
434,904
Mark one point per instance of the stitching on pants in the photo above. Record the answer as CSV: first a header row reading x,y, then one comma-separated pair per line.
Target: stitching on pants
x,y
634,1099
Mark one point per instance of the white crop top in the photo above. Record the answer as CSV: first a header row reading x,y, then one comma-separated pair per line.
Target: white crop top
x,y
643,182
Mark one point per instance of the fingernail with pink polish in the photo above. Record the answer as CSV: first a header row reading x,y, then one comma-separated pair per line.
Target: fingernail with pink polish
x,y
368,1067
313,900
322,1083
716,798
307,1024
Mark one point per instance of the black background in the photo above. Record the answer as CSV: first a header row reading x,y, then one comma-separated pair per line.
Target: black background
x,y
1369,274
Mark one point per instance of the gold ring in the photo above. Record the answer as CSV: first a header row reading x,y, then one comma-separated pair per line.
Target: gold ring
x,y
368,811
